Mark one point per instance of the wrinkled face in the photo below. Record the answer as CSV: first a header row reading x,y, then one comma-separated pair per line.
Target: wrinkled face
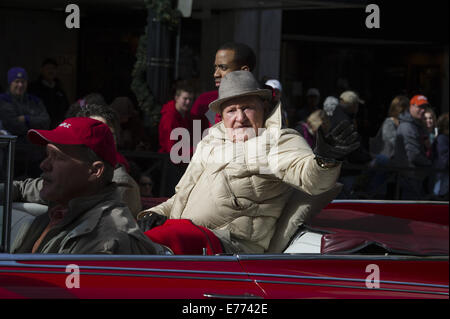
x,y
183,101
49,72
64,173
242,117
428,118
417,112
224,64
18,87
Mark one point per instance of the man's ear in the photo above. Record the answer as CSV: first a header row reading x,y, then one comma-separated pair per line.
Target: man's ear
x,y
245,68
97,170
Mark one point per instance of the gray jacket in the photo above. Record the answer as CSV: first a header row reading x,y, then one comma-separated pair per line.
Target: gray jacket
x,y
384,141
97,224
409,145
128,190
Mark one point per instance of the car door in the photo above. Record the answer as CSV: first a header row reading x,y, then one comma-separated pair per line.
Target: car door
x,y
93,276
348,276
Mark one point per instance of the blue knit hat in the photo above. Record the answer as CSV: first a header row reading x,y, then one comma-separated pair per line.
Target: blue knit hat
x,y
16,73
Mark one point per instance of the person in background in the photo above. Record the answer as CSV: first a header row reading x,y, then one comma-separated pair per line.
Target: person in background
x,y
231,56
309,128
48,88
410,149
440,161
312,104
91,98
19,112
146,191
346,110
382,146
175,115
277,93
132,131
429,119
330,104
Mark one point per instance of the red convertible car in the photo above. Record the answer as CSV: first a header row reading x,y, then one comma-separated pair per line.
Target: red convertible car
x,y
349,249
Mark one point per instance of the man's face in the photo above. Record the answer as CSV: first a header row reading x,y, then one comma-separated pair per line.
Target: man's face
x,y
417,111
242,117
65,173
49,72
225,64
183,101
18,87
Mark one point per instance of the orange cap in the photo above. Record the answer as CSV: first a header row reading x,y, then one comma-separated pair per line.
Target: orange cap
x,y
419,100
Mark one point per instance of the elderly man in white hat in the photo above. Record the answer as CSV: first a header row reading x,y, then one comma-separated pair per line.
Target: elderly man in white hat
x,y
244,171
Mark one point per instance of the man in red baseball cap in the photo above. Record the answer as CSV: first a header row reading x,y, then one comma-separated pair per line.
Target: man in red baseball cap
x,y
417,106
84,216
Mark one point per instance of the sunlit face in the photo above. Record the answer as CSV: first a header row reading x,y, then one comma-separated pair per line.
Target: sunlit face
x,y
18,87
429,120
242,117
224,64
417,112
183,102
65,174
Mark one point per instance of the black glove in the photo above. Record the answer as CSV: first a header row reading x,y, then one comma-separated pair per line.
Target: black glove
x,y
151,220
338,143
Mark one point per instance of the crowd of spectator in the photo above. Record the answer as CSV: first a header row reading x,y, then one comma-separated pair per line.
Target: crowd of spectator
x,y
408,156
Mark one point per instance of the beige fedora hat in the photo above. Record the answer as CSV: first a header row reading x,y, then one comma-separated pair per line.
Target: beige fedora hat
x,y
236,84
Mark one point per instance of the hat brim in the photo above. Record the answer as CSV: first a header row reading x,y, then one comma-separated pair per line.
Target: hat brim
x,y
263,93
44,137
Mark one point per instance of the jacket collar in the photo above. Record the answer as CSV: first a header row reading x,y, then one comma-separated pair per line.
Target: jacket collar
x,y
78,206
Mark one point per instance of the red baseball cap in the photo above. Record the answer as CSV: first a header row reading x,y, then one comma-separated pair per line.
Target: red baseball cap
x,y
419,100
80,131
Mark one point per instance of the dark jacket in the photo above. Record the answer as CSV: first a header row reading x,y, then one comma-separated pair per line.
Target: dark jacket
x,y
440,152
410,145
30,106
54,99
